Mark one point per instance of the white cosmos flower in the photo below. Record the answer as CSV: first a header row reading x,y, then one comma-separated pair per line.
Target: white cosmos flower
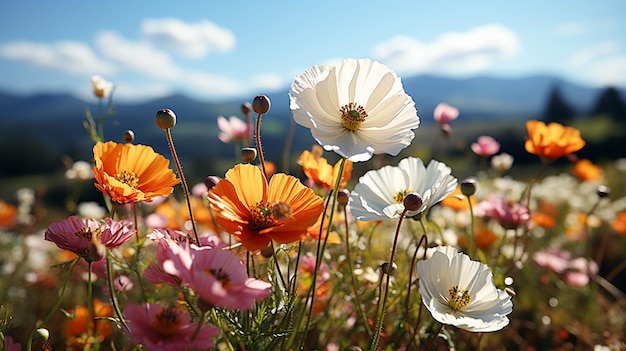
x,y
379,194
355,108
458,291
101,87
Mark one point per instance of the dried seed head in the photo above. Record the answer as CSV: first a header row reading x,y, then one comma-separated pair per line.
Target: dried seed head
x,y
342,197
246,107
165,118
603,191
468,186
129,136
248,154
385,268
211,181
413,201
261,104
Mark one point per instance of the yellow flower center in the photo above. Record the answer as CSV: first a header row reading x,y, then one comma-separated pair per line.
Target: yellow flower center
x,y
352,116
459,298
266,215
400,195
167,322
129,178
220,275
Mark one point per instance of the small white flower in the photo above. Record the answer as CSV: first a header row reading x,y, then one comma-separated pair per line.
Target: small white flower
x,y
502,162
460,292
80,170
91,209
379,194
101,87
355,108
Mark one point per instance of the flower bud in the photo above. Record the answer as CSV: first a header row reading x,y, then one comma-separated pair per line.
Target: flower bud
x,y
248,154
385,268
165,118
603,191
261,104
129,136
42,334
343,196
211,181
246,107
468,186
413,201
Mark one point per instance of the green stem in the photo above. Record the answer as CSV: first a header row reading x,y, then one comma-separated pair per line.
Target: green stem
x,y
29,343
380,316
320,253
357,299
89,299
183,181
259,147
472,246
114,302
278,270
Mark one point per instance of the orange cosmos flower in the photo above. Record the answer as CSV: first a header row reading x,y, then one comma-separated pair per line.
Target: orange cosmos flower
x,y
177,214
256,212
8,214
553,140
619,224
586,171
323,174
457,201
76,328
313,232
483,237
132,173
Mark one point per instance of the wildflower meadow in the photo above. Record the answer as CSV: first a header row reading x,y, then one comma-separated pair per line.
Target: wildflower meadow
x,y
380,246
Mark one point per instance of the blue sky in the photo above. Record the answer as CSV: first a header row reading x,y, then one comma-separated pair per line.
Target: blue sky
x,y
226,49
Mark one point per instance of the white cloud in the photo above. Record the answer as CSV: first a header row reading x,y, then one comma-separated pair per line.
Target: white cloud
x,y
207,84
588,54
451,53
67,56
137,56
194,40
610,71
268,82
573,28
602,63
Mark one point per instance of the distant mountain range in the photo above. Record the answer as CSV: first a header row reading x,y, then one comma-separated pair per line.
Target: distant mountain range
x,y
55,121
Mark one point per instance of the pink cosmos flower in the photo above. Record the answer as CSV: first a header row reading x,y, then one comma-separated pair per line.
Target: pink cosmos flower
x,y
445,113
11,345
578,271
80,235
485,146
554,259
232,129
509,215
219,277
575,270
171,245
123,283
160,328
